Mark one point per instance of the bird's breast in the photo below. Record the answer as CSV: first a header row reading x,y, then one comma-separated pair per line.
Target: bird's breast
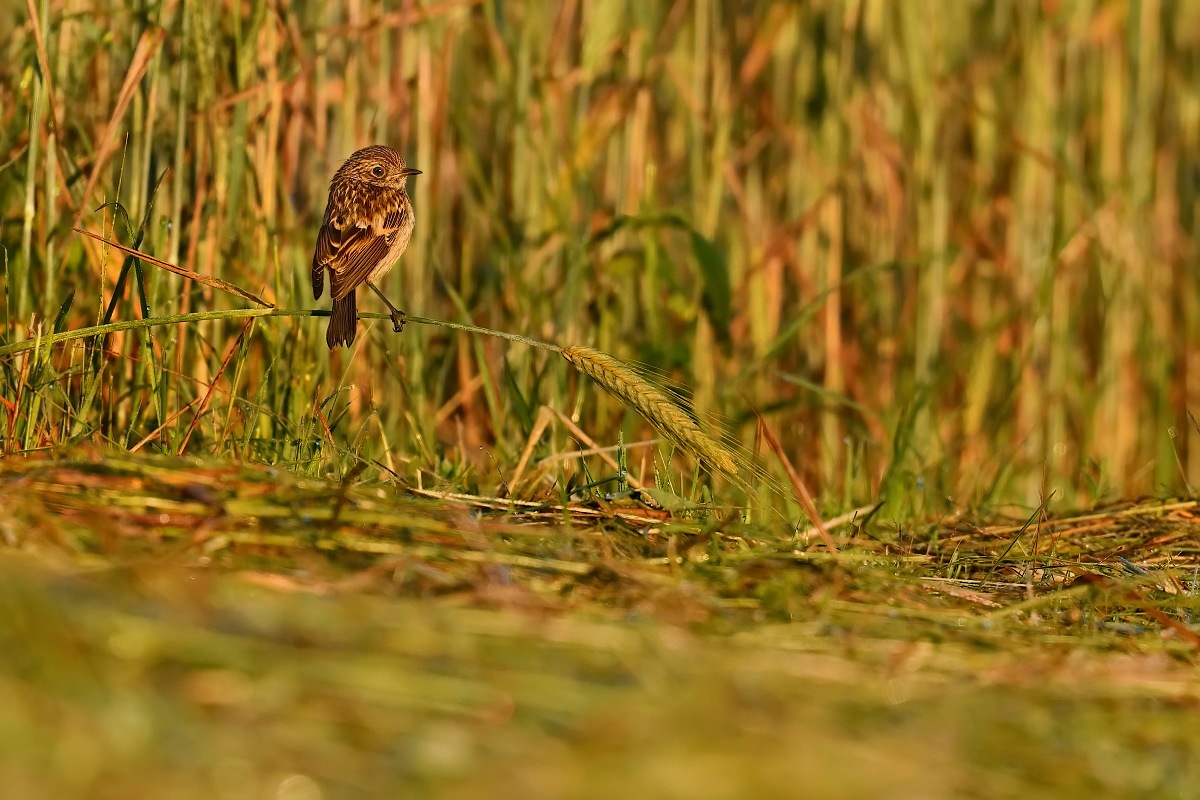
x,y
400,239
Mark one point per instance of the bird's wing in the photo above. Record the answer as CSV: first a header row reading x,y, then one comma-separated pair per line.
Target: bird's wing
x,y
351,251
321,257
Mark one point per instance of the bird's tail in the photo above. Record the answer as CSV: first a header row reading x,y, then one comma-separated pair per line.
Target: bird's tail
x,y
343,321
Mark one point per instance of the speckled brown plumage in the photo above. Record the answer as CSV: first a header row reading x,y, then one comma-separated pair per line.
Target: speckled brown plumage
x,y
367,226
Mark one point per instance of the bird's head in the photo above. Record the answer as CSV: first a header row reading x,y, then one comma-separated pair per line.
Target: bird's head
x,y
377,166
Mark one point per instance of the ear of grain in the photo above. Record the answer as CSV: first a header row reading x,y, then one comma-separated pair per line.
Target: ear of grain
x,y
623,382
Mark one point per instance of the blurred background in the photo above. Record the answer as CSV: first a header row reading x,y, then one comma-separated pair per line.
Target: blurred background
x,y
948,248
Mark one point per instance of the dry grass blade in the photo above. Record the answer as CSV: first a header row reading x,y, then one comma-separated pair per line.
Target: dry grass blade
x,y
212,386
540,424
579,434
623,382
207,280
802,493
169,421
43,63
146,48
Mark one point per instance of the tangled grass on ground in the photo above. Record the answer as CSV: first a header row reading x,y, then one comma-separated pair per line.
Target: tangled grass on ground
x,y
208,627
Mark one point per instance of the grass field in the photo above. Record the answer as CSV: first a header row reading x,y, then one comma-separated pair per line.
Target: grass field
x,y
876,482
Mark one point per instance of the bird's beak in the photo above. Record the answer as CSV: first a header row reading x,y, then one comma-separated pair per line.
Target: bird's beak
x,y
410,171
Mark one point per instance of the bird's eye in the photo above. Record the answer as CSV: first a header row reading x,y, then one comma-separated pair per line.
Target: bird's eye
x,y
377,171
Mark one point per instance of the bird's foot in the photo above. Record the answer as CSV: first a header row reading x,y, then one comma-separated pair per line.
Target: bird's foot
x,y
398,320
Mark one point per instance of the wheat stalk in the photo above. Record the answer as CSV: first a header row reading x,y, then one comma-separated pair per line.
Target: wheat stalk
x,y
614,376
624,383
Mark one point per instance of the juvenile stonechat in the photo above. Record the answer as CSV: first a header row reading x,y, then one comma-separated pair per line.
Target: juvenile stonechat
x,y
367,226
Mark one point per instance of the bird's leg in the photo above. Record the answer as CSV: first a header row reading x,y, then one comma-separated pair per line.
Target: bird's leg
x,y
398,316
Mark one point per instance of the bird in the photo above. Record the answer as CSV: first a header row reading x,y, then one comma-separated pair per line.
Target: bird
x,y
367,226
